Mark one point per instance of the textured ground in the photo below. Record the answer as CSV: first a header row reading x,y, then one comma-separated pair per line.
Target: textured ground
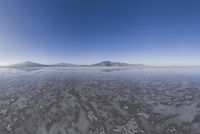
x,y
61,101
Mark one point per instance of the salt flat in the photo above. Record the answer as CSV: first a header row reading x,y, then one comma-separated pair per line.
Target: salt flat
x,y
100,100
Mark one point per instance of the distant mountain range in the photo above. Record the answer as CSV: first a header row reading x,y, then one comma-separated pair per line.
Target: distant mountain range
x,y
110,63
101,64
26,64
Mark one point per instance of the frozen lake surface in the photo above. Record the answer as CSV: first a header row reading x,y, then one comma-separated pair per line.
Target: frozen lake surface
x,y
100,100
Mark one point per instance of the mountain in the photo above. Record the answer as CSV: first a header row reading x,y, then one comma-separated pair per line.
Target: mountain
x,y
110,63
101,64
64,65
33,64
26,64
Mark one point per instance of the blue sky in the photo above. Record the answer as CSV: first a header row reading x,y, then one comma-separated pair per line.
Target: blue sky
x,y
154,32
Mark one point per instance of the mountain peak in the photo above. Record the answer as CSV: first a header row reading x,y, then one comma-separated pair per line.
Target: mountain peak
x,y
26,64
111,63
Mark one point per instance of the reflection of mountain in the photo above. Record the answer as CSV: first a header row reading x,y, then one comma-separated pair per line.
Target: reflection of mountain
x,y
101,64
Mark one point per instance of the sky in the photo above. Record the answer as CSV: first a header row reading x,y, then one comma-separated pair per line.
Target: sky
x,y
152,32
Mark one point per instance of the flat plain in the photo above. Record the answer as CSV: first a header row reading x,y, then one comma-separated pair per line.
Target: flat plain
x,y
100,101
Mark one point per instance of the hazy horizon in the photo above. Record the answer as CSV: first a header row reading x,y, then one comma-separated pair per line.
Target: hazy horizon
x,y
88,64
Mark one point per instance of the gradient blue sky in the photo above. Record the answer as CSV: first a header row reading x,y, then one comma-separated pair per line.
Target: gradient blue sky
x,y
154,32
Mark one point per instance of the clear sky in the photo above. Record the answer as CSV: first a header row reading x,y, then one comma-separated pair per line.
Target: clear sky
x,y
154,32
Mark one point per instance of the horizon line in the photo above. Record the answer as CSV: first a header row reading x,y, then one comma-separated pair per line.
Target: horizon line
x,y
147,65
